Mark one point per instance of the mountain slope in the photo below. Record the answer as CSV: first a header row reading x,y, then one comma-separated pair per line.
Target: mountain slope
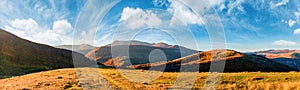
x,y
83,48
139,53
19,56
235,62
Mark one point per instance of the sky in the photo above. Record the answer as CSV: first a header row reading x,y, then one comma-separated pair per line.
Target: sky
x,y
246,25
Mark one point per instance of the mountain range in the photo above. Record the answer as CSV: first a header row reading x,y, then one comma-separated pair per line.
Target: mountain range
x,y
19,56
287,57
125,53
235,62
143,55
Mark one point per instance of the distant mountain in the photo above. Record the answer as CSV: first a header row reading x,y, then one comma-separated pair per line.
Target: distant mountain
x,y
19,56
279,53
139,53
286,57
235,62
82,48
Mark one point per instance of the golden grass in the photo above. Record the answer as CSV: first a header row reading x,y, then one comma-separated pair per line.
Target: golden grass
x,y
49,80
243,80
149,80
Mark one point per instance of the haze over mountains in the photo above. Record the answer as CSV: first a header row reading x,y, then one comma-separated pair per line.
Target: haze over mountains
x,y
19,56
82,48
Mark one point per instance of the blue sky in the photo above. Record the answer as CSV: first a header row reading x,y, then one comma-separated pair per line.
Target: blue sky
x,y
248,25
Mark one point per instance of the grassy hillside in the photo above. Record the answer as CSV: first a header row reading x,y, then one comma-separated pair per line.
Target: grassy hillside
x,y
65,79
49,80
19,56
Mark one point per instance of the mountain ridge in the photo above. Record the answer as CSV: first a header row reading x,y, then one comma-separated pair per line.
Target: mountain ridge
x,y
138,52
235,62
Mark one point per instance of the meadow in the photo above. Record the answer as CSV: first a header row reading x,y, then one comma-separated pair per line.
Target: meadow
x,y
94,78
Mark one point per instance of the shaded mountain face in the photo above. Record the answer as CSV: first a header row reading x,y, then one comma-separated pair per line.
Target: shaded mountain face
x,y
83,48
19,56
234,62
287,57
137,53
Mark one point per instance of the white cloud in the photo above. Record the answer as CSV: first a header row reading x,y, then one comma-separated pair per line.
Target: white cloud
x,y
216,2
83,34
62,26
183,14
29,29
222,6
235,5
284,43
283,2
297,14
291,23
134,18
297,31
159,3
25,24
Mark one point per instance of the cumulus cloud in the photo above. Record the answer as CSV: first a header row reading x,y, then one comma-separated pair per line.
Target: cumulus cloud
x,y
29,29
25,24
291,23
134,18
274,5
284,43
297,31
62,26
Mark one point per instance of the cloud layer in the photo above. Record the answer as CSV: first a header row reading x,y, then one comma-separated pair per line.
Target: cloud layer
x,y
284,43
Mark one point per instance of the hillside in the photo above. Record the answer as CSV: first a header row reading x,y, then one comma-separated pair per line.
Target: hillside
x,y
82,48
19,56
67,79
235,62
138,53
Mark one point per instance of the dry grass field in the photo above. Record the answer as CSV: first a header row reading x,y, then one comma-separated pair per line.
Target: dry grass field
x,y
93,78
